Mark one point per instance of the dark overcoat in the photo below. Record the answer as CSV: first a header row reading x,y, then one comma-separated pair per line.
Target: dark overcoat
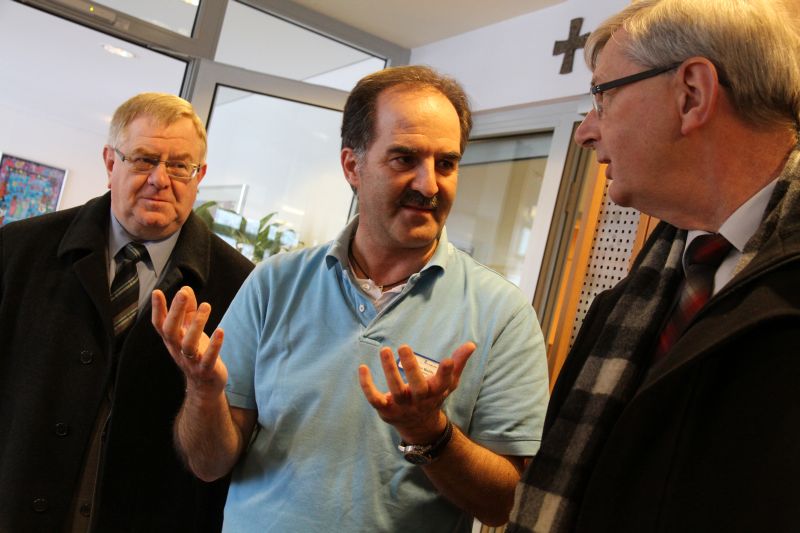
x,y
56,364
711,440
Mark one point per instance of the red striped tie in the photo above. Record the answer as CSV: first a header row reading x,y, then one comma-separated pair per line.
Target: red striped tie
x,y
703,257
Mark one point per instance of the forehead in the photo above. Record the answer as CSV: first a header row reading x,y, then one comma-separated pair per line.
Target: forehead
x,y
410,114
147,133
612,62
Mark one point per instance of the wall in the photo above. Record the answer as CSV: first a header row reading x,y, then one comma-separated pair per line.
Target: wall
x,y
47,141
511,63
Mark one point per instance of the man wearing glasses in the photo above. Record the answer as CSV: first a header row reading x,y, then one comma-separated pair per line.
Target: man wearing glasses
x,y
677,407
88,392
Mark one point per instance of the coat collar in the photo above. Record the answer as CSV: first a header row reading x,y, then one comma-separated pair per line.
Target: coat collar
x,y
729,313
88,233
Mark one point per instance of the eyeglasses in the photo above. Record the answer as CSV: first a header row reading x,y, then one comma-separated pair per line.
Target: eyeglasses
x,y
177,170
597,90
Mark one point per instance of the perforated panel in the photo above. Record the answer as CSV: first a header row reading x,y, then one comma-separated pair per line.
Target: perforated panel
x,y
612,244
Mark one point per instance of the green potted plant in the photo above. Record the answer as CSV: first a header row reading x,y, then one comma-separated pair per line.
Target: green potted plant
x,y
269,238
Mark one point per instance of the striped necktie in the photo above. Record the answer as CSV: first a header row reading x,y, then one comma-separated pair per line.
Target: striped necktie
x,y
125,288
703,257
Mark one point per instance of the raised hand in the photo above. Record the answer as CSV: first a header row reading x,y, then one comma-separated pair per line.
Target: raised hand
x,y
181,329
414,407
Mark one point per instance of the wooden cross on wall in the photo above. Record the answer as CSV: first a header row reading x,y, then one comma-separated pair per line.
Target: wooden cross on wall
x,y
574,42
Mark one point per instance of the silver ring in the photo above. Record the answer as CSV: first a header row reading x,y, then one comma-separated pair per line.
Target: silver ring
x,y
188,355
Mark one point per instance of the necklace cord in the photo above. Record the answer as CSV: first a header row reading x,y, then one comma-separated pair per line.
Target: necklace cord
x,y
355,262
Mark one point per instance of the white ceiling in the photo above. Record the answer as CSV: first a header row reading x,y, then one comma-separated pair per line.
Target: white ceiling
x,y
413,23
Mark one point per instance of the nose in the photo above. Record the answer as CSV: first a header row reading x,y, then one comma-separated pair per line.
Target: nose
x,y
425,178
158,177
587,133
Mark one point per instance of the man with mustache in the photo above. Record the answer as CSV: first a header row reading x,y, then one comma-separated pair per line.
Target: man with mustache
x,y
439,439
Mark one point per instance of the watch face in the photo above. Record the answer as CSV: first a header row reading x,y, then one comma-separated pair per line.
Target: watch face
x,y
417,458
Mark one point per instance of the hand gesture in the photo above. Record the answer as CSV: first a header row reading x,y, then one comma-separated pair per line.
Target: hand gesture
x,y
414,408
181,329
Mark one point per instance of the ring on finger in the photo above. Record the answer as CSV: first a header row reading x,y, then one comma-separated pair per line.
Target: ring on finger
x,y
188,355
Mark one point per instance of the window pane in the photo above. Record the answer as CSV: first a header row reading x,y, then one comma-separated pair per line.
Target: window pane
x,y
287,154
174,15
60,88
263,43
498,190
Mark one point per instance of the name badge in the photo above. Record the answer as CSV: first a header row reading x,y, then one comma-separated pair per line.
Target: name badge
x,y
426,364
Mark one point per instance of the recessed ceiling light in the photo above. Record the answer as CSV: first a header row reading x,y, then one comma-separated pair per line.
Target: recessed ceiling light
x,y
117,51
194,3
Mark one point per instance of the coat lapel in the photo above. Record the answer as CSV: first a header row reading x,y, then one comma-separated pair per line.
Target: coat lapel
x,y
738,307
84,244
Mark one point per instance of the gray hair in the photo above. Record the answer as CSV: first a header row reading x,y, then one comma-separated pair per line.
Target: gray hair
x,y
754,44
163,108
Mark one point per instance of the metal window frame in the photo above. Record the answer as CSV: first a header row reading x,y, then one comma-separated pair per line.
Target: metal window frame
x,y
333,29
208,27
203,43
207,75
565,214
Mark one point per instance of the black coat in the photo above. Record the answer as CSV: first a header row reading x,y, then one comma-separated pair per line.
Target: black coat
x,y
711,440
55,366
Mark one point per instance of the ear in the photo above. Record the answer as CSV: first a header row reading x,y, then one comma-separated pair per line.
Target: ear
x,y
349,161
108,161
699,93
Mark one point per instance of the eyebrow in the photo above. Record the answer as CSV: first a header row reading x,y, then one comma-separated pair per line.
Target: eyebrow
x,y
594,81
407,150
154,153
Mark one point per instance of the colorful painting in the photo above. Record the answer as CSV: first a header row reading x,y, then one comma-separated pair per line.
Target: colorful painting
x,y
28,188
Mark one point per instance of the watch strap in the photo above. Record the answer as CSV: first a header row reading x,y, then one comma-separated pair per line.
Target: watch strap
x,y
426,453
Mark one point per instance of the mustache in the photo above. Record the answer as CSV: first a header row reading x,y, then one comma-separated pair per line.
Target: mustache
x,y
414,198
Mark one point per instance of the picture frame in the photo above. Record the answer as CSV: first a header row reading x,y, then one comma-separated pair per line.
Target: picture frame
x,y
28,188
230,197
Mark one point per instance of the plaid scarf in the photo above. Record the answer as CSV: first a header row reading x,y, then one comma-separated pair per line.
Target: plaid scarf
x,y
548,497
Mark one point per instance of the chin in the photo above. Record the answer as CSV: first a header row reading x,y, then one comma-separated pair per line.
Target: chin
x,y
155,229
419,239
619,197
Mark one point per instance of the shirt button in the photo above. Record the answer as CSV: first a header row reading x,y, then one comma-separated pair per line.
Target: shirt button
x,y
62,430
40,505
361,308
87,357
85,509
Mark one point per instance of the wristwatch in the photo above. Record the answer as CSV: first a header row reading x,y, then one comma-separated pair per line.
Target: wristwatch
x,y
425,454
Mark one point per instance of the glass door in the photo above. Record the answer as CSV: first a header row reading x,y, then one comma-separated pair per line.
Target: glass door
x,y
273,151
273,99
498,191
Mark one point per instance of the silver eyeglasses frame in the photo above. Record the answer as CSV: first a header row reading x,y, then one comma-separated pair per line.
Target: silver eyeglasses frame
x,y
153,162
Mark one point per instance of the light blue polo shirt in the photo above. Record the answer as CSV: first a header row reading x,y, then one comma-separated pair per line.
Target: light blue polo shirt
x,y
322,459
